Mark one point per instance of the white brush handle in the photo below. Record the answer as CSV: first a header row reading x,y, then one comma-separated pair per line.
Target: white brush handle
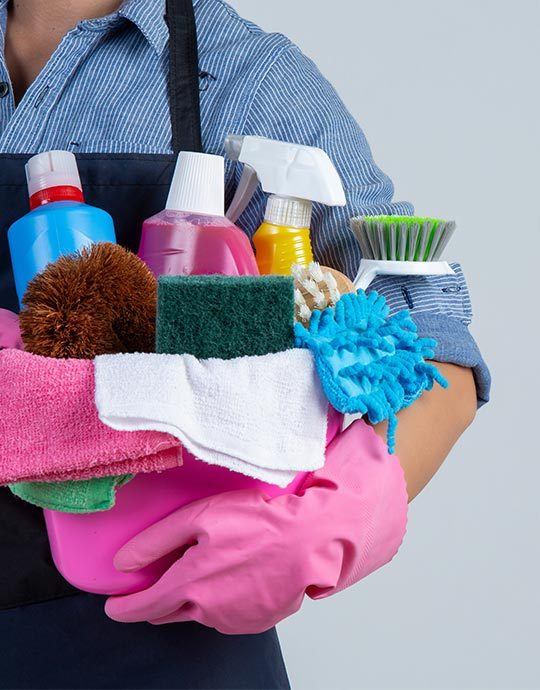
x,y
371,268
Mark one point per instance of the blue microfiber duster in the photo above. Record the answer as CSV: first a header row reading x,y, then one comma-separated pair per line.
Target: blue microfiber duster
x,y
368,361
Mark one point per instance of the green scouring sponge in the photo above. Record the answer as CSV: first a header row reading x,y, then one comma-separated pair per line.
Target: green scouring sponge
x,y
224,316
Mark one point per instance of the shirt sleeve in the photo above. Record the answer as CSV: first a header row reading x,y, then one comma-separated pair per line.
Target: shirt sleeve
x,y
294,102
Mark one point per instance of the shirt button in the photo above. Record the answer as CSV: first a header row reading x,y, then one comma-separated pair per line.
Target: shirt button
x,y
4,89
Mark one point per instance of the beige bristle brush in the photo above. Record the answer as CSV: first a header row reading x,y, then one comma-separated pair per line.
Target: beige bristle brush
x,y
317,287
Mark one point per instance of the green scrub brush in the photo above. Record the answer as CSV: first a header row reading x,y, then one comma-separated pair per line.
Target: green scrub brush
x,y
401,245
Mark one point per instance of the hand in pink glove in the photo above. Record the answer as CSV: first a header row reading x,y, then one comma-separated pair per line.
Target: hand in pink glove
x,y
251,560
10,334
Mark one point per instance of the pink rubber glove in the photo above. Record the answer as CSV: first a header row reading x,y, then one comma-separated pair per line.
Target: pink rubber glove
x,y
10,334
251,560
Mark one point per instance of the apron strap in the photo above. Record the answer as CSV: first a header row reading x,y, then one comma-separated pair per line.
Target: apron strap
x,y
184,100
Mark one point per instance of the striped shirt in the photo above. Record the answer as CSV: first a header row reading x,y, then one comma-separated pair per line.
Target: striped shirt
x,y
105,90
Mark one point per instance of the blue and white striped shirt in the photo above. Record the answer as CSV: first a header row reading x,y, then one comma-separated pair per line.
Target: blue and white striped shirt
x,y
105,90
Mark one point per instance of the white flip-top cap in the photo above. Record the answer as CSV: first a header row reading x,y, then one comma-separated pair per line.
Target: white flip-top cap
x,y
198,184
52,169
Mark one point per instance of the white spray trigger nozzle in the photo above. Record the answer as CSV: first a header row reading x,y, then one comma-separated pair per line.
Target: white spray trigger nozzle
x,y
283,169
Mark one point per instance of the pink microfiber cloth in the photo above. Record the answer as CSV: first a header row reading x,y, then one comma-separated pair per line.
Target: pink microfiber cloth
x,y
51,431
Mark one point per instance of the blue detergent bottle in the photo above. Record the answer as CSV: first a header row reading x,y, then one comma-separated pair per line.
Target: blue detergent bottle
x,y
58,223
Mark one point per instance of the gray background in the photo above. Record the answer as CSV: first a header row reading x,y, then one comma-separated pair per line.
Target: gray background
x,y
448,95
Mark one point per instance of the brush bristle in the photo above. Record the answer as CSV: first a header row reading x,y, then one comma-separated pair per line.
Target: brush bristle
x,y
317,287
101,300
402,238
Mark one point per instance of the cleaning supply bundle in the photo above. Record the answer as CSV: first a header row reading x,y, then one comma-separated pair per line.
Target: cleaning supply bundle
x,y
229,384
369,362
295,176
191,236
401,245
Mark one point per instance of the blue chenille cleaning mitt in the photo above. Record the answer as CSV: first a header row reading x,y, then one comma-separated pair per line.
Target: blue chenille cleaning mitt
x,y
369,362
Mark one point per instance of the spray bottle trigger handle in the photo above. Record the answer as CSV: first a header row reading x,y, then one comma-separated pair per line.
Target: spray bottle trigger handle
x,y
246,189
233,146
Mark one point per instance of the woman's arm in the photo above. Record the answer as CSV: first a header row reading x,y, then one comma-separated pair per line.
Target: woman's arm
x,y
306,109
429,429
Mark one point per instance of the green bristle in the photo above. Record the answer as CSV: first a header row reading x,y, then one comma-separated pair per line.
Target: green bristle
x,y
403,238
225,317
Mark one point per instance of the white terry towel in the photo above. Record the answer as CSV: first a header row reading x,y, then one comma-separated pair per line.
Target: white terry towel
x,y
261,416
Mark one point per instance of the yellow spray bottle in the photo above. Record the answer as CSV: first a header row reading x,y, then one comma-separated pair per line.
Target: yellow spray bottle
x,y
295,176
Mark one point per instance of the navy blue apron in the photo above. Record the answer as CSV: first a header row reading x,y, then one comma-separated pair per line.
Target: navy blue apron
x,y
51,635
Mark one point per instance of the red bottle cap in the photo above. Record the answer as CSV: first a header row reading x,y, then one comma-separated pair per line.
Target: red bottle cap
x,y
53,176
60,193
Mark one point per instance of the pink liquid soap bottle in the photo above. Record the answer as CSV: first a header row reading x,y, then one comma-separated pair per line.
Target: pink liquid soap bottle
x,y
191,236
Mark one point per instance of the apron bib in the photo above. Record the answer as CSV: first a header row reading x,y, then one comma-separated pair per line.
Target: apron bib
x,y
131,188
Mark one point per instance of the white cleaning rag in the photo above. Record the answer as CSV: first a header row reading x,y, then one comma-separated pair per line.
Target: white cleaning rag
x,y
261,416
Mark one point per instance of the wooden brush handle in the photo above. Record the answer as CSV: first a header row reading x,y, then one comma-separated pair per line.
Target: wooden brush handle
x,y
344,285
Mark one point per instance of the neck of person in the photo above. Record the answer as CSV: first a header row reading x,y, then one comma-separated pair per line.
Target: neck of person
x,y
35,29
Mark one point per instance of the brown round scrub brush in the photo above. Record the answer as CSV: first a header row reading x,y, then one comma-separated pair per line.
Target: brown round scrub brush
x,y
101,300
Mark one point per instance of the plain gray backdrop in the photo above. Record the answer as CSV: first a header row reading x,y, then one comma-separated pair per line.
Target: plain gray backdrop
x,y
448,96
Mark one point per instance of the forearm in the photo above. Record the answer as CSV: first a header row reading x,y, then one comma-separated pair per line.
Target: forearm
x,y
430,427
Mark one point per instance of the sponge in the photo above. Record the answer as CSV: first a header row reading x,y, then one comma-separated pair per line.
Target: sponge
x,y
225,316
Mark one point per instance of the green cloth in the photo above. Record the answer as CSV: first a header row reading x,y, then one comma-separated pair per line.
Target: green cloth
x,y
225,317
87,496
